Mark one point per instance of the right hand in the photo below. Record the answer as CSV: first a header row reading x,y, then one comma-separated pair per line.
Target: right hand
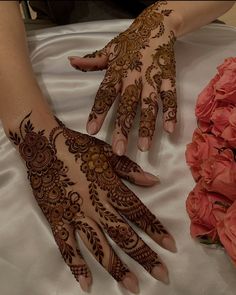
x,y
75,179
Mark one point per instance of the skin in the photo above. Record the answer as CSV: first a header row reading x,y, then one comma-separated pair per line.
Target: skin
x,y
25,111
140,69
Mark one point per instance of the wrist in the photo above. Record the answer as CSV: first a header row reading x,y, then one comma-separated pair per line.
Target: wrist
x,y
42,118
175,23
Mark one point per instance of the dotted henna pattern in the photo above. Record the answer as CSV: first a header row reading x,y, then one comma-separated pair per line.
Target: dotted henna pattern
x,y
126,54
65,208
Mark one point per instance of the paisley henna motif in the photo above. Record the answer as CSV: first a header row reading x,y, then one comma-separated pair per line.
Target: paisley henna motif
x,y
148,116
126,54
128,106
67,210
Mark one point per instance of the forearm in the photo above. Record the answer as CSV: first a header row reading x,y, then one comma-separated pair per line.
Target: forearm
x,y
191,15
20,92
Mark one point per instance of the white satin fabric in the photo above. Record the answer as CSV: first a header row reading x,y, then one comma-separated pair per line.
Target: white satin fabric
x,y
30,263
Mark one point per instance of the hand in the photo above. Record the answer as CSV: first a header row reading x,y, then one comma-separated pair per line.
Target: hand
x,y
140,68
75,179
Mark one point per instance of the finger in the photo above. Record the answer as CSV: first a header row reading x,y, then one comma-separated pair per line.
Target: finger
x,y
129,205
127,239
97,244
97,60
125,168
149,109
169,105
106,95
125,115
66,242
168,86
129,170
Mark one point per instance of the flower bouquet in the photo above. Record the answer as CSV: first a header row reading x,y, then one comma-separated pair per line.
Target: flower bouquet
x,y
211,155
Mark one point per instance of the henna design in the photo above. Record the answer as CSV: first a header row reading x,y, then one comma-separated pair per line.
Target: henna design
x,y
122,234
116,268
164,61
64,207
80,270
123,164
148,116
133,209
146,257
92,238
128,106
169,104
99,207
125,55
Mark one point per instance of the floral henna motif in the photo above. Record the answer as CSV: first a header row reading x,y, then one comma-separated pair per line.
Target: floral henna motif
x,y
169,105
164,61
64,207
128,106
148,116
50,184
125,54
104,100
124,237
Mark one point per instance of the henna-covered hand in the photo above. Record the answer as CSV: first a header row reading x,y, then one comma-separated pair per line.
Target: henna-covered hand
x,y
140,68
75,179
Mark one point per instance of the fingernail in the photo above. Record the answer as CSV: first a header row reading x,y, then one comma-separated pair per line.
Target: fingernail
x,y
72,57
169,244
151,178
84,283
131,284
160,273
144,143
92,128
170,126
119,148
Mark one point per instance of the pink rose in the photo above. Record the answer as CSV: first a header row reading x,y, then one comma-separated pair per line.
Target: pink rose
x,y
229,63
200,149
220,91
227,232
220,119
206,102
229,133
205,210
219,174
225,87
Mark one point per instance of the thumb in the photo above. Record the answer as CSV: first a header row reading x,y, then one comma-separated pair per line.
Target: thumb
x,y
95,61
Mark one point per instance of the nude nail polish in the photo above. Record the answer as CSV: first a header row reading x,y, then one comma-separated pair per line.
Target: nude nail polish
x,y
131,284
144,143
160,273
83,283
119,148
169,244
169,126
92,128
151,178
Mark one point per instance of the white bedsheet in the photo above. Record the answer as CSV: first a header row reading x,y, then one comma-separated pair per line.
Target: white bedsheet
x,y
30,263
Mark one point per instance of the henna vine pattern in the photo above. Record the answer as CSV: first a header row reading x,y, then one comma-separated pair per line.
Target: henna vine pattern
x,y
148,116
67,210
164,64
130,52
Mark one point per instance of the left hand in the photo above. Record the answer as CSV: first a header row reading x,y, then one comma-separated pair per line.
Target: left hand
x,y
140,66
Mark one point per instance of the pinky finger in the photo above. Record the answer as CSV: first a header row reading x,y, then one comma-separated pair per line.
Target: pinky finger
x,y
169,109
97,244
70,252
